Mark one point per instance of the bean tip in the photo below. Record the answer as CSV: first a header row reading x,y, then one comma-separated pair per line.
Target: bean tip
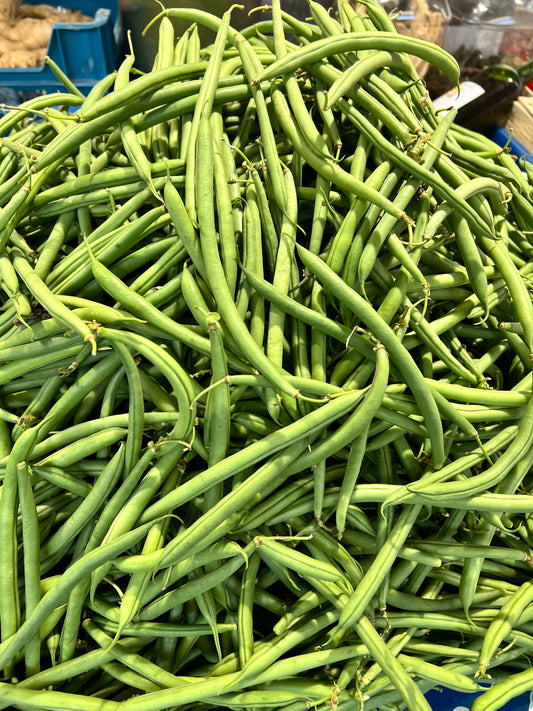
x,y
92,340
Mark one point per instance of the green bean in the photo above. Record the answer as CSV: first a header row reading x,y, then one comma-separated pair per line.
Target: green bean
x,y
252,259
129,678
384,334
501,693
132,598
333,550
366,66
9,606
179,380
70,436
465,190
45,297
191,589
270,244
215,552
374,576
132,659
158,136
78,594
281,277
74,452
314,318
5,438
26,108
148,254
196,533
203,108
61,479
268,698
107,250
357,448
502,625
10,284
32,574
172,257
217,416
59,592
58,357
88,508
279,502
299,562
226,227
136,408
71,398
245,618
448,677
184,226
496,472
144,309
250,64
388,661
225,304
451,550
101,235
380,86
208,607
99,313
326,167
354,42
521,301
64,670
400,158
344,239
307,426
263,659
108,107
10,694
42,346
83,165
196,298
509,398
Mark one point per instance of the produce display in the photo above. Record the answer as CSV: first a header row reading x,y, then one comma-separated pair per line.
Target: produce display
x,y
266,413
25,32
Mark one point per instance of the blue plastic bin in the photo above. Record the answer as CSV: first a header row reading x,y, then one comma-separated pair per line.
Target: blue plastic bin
x,y
447,700
85,51
502,137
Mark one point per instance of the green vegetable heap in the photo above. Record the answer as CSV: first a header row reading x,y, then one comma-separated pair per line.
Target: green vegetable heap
x,y
266,425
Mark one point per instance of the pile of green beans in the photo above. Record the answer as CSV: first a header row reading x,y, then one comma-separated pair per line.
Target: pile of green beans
x,y
266,351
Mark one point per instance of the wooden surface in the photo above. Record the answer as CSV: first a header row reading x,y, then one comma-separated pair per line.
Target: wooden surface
x,y
520,119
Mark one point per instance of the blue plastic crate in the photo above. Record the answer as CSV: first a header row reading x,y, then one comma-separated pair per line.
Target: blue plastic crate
x,y
447,700
85,51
